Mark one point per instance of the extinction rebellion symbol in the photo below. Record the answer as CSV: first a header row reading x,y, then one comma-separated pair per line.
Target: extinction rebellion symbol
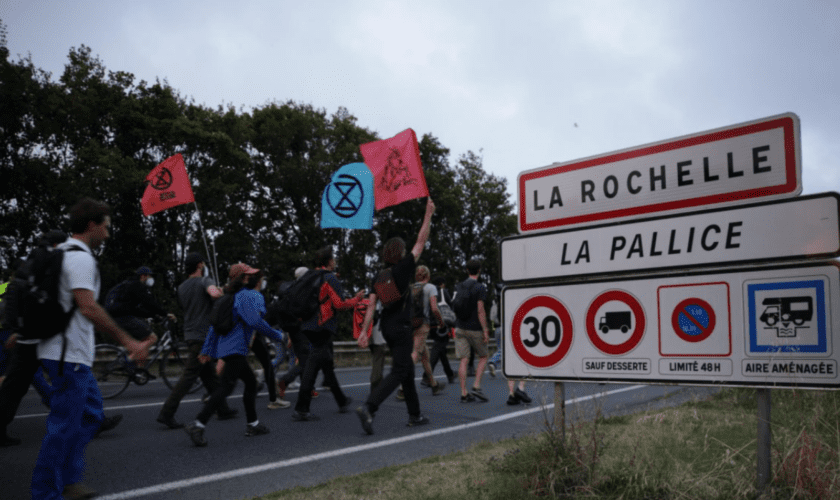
x,y
350,196
163,180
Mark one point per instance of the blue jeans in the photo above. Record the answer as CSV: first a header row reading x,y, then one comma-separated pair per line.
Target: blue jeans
x,y
496,359
75,415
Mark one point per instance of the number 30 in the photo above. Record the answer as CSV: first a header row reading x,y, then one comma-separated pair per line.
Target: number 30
x,y
539,331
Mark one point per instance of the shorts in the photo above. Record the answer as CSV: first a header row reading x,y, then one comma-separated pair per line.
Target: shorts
x,y
420,335
464,339
138,328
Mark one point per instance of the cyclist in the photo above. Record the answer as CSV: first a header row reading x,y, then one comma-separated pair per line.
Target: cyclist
x,y
131,302
196,295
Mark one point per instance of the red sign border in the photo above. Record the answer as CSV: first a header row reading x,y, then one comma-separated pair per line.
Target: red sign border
x,y
638,315
679,310
566,325
786,122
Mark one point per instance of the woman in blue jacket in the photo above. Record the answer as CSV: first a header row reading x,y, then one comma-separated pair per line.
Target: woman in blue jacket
x,y
248,312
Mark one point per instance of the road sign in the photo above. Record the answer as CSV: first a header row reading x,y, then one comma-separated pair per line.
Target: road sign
x,y
808,226
722,167
615,310
542,331
773,326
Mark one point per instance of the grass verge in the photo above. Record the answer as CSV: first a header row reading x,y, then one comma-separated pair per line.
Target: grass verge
x,y
699,450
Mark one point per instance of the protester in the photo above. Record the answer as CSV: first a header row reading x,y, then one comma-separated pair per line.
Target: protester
x,y
232,348
75,400
196,295
395,321
299,343
425,311
472,332
440,335
25,368
320,329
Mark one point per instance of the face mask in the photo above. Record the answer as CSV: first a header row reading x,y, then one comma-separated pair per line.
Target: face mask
x,y
263,284
150,282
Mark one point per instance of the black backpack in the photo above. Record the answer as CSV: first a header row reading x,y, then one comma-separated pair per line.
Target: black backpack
x,y
463,304
221,315
301,300
115,302
274,312
33,309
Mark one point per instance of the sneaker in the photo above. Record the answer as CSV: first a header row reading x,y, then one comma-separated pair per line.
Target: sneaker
x,y
108,424
304,417
77,491
438,389
417,420
400,395
279,403
281,388
476,391
513,400
315,394
469,398
170,422
366,418
256,430
522,395
492,368
346,406
196,433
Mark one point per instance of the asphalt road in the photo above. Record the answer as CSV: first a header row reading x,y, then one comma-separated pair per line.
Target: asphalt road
x,y
143,459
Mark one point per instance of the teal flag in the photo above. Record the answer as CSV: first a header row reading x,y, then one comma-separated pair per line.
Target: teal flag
x,y
348,201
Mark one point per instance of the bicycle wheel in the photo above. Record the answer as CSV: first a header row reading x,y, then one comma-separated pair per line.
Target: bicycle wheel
x,y
111,370
172,365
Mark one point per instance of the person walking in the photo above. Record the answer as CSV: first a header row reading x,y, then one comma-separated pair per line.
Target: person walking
x,y
472,332
425,310
440,335
392,288
232,348
196,295
320,329
75,400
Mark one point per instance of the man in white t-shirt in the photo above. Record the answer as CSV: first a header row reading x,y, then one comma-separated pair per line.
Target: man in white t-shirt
x,y
76,403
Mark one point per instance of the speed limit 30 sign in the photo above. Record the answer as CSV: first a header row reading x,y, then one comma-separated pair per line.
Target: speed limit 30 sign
x,y
542,331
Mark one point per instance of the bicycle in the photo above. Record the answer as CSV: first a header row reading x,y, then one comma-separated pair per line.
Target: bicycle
x,y
114,371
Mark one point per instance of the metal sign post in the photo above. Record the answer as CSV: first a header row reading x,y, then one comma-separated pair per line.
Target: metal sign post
x,y
763,471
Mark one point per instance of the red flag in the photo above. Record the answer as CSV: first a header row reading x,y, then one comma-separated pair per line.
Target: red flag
x,y
397,171
169,186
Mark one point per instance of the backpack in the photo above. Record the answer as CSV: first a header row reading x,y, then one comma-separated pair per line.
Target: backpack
x,y
301,300
417,316
221,315
463,304
386,288
274,314
34,311
115,299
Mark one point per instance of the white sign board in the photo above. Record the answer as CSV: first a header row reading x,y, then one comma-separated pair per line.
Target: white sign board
x,y
723,167
750,327
807,226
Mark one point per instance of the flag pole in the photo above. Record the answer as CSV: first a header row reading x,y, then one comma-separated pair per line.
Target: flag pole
x,y
207,248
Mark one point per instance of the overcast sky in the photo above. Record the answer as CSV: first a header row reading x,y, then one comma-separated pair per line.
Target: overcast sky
x,y
525,83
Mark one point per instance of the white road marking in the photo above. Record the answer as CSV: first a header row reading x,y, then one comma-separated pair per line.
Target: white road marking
x,y
186,483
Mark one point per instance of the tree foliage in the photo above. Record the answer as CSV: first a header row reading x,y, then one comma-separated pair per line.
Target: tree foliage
x,y
257,178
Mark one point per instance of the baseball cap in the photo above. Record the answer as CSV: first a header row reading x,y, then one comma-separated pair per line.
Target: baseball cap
x,y
300,271
143,270
241,268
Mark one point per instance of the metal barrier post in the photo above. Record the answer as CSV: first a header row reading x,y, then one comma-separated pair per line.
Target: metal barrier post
x,y
763,400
